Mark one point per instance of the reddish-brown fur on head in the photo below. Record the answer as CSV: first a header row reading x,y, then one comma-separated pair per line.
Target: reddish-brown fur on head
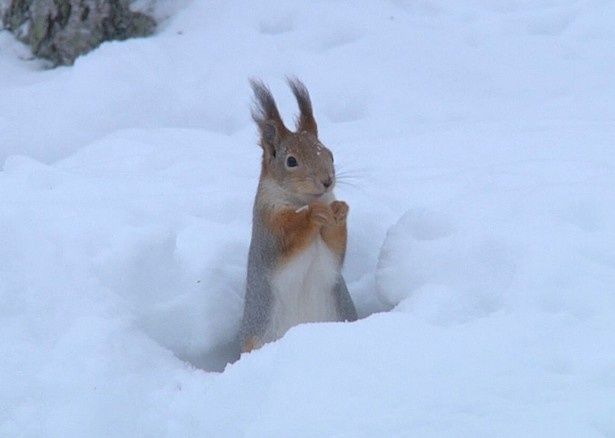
x,y
297,162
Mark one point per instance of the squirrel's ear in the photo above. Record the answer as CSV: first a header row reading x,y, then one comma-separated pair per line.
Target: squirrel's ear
x,y
266,115
270,138
305,121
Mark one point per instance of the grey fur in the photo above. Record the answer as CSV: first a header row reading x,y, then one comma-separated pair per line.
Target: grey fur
x,y
345,306
261,262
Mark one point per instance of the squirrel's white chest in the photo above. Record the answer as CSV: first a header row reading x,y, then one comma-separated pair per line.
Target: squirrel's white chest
x,y
303,289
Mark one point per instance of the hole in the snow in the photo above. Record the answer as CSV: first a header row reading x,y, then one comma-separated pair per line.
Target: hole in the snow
x,y
214,359
184,288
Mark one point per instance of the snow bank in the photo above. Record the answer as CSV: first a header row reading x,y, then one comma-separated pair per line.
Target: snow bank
x,y
474,144
548,254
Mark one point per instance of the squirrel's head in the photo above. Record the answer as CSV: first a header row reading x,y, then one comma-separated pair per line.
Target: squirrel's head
x,y
296,161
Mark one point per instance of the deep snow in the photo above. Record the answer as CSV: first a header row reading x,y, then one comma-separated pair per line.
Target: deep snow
x,y
474,142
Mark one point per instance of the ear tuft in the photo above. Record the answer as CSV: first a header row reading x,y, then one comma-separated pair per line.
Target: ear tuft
x,y
305,121
266,115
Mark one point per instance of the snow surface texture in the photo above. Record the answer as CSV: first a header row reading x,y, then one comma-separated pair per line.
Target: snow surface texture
x,y
477,139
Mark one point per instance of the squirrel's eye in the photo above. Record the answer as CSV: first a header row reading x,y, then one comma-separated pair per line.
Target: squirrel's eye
x,y
291,161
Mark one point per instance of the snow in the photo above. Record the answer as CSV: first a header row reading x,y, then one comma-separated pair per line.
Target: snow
x,y
474,145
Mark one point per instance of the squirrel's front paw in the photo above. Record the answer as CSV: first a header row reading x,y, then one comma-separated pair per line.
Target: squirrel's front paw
x,y
339,209
321,214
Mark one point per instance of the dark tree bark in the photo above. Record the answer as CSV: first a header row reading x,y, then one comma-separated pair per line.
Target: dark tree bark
x,y
61,30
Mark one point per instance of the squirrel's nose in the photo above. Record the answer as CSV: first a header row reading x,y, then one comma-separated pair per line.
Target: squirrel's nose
x,y
327,182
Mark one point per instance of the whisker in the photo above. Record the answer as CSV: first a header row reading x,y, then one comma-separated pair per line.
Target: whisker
x,y
349,177
344,172
349,186
355,177
344,169
347,183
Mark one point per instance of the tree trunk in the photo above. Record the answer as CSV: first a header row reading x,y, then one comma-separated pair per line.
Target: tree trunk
x,y
61,30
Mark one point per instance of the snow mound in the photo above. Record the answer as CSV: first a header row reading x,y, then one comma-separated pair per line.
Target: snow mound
x,y
113,228
454,268
448,274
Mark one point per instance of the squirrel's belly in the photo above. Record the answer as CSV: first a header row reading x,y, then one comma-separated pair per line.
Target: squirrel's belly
x,y
303,289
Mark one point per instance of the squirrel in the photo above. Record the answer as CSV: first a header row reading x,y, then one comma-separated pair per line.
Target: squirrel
x,y
299,229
